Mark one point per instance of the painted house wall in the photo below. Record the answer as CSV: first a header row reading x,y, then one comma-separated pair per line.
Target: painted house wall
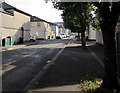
x,y
48,30
99,38
55,29
12,25
92,34
38,31
41,30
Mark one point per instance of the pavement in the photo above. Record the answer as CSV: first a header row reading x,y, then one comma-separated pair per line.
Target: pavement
x,y
16,46
75,65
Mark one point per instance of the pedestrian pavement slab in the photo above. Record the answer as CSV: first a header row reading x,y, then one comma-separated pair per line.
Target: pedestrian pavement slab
x,y
75,65
60,88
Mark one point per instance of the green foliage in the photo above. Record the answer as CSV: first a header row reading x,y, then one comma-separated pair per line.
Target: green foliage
x,y
90,85
76,16
93,85
96,25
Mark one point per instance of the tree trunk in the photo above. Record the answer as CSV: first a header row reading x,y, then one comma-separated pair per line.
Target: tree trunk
x,y
83,38
78,35
110,79
108,25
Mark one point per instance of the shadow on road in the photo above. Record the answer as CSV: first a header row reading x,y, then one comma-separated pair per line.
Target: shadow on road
x,y
26,63
74,65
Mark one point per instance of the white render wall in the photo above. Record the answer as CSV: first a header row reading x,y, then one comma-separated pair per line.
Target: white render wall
x,y
39,32
92,34
12,25
57,30
99,38
43,31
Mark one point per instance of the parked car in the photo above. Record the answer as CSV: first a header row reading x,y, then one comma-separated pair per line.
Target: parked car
x,y
32,38
67,35
62,35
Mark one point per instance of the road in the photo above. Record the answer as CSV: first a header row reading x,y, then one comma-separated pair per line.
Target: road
x,y
21,65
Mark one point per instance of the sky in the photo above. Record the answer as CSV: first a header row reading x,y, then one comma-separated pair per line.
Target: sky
x,y
38,8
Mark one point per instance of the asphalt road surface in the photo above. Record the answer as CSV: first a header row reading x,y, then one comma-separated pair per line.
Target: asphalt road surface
x,y
21,65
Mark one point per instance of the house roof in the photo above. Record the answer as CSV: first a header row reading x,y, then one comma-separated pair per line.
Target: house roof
x,y
52,23
36,19
8,7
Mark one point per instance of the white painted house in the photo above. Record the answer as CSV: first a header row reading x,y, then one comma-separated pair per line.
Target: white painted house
x,y
62,29
15,23
55,29
41,29
90,33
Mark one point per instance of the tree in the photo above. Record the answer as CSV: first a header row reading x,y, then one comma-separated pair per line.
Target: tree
x,y
76,16
108,21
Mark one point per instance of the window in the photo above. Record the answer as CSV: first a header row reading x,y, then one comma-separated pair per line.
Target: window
x,y
38,25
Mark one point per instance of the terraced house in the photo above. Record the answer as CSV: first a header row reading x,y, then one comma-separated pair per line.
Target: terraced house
x,y
41,28
15,24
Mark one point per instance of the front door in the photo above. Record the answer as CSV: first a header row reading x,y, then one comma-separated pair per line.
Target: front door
x,y
22,32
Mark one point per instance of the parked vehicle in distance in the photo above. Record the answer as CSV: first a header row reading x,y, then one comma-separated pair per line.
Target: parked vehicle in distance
x,y
32,38
62,35
67,35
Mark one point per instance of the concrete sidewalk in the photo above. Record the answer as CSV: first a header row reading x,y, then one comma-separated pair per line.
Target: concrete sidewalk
x,y
75,65
5,48
98,49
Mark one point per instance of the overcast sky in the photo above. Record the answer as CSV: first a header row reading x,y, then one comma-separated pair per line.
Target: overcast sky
x,y
38,8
